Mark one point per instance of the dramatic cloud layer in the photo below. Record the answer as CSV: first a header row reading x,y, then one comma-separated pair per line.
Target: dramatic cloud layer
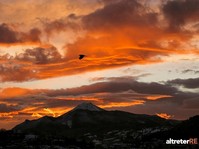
x,y
40,42
116,93
110,39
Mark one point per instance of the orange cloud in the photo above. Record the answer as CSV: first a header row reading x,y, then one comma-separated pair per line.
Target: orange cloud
x,y
36,115
164,115
30,11
8,115
49,111
156,97
134,36
122,104
55,112
13,92
105,48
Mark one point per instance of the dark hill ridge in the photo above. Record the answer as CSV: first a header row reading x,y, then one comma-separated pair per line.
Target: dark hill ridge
x,y
87,117
184,130
187,129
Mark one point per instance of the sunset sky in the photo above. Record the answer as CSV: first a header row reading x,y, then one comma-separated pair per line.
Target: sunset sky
x,y
141,56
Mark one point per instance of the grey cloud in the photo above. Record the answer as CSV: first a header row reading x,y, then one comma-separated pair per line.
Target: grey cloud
x,y
190,71
12,67
33,35
7,108
181,12
120,13
7,35
11,71
114,85
40,55
188,83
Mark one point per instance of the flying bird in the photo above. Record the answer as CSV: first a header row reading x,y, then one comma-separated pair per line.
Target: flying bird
x,y
81,56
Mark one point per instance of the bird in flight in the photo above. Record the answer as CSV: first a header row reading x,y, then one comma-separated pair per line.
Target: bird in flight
x,y
81,56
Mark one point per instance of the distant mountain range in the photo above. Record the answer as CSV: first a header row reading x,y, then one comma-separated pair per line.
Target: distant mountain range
x,y
90,127
88,118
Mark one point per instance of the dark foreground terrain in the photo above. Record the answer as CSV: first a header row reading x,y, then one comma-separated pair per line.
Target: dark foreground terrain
x,y
88,126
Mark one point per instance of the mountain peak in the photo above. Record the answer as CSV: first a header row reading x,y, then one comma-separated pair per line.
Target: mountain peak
x,y
88,106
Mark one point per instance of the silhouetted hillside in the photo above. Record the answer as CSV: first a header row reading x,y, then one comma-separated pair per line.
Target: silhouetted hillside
x,y
90,118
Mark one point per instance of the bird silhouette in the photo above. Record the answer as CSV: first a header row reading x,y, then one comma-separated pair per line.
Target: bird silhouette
x,y
81,56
